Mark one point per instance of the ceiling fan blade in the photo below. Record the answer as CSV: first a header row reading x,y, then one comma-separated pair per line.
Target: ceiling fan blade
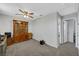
x,y
19,14
30,13
26,12
21,11
30,16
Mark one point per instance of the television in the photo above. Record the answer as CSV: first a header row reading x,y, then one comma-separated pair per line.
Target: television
x,y
8,34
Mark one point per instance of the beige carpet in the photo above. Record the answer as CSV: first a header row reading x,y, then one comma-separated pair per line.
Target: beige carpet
x,y
33,48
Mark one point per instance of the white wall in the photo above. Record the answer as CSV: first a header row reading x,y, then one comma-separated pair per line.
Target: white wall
x,y
70,16
29,27
45,28
5,23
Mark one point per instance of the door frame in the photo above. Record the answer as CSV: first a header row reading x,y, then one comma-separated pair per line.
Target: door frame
x,y
62,30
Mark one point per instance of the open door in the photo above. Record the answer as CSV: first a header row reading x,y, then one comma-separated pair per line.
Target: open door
x,y
69,31
65,32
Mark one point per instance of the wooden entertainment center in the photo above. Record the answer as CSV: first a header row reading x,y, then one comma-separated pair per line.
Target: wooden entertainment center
x,y
20,32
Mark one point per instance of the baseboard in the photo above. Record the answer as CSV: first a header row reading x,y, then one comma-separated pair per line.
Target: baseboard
x,y
46,44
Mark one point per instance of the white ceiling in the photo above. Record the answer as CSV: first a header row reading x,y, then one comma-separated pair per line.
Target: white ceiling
x,y
38,8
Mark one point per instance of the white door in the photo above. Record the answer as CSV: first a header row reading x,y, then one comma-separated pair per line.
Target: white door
x,y
65,31
69,30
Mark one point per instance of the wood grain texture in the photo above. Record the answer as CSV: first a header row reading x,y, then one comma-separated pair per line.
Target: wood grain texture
x,y
20,31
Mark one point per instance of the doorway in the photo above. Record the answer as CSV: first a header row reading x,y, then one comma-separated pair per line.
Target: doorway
x,y
69,31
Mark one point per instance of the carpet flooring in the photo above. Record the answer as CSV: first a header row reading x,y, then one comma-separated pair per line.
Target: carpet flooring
x,y
33,48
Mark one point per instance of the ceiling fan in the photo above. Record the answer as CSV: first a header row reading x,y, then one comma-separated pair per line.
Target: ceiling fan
x,y
25,13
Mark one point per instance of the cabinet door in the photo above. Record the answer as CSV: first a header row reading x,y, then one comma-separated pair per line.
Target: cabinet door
x,y
20,30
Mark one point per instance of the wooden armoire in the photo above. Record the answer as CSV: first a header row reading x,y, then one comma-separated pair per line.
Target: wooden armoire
x,y
20,31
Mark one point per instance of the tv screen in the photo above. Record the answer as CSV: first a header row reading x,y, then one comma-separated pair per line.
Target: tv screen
x,y
8,34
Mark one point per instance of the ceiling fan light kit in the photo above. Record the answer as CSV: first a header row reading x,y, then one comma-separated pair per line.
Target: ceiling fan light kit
x,y
26,14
